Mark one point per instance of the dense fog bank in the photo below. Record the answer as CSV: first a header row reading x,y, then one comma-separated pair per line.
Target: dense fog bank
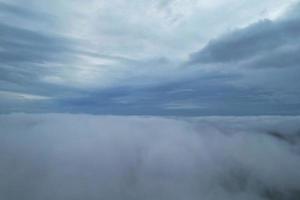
x,y
61,157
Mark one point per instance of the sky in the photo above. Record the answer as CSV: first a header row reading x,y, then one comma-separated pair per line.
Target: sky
x,y
150,57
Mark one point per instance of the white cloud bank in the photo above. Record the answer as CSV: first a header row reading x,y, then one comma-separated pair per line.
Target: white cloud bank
x,y
60,156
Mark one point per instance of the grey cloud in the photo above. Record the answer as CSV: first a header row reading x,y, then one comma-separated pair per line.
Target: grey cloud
x,y
43,62
28,52
265,54
284,57
271,40
26,56
55,156
209,95
14,10
26,46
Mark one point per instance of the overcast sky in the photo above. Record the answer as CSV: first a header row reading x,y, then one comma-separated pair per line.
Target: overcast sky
x,y
150,57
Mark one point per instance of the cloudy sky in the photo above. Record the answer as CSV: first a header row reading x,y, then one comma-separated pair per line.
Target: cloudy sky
x,y
150,57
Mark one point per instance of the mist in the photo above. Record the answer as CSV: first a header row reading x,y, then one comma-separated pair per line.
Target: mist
x,y
68,156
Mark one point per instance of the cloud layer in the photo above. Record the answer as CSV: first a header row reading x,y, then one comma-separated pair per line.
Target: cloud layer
x,y
177,57
90,157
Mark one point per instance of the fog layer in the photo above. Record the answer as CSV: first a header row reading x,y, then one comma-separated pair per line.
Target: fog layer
x,y
62,157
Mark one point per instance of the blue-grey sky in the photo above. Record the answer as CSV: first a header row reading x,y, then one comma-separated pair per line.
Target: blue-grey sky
x,y
150,57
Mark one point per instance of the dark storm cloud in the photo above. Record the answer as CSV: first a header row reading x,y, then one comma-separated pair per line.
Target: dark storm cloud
x,y
263,44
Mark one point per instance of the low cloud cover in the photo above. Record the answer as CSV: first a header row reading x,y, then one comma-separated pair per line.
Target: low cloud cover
x,y
63,156
149,100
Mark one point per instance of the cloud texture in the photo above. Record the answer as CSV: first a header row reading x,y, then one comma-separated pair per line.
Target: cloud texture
x,y
177,57
61,156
